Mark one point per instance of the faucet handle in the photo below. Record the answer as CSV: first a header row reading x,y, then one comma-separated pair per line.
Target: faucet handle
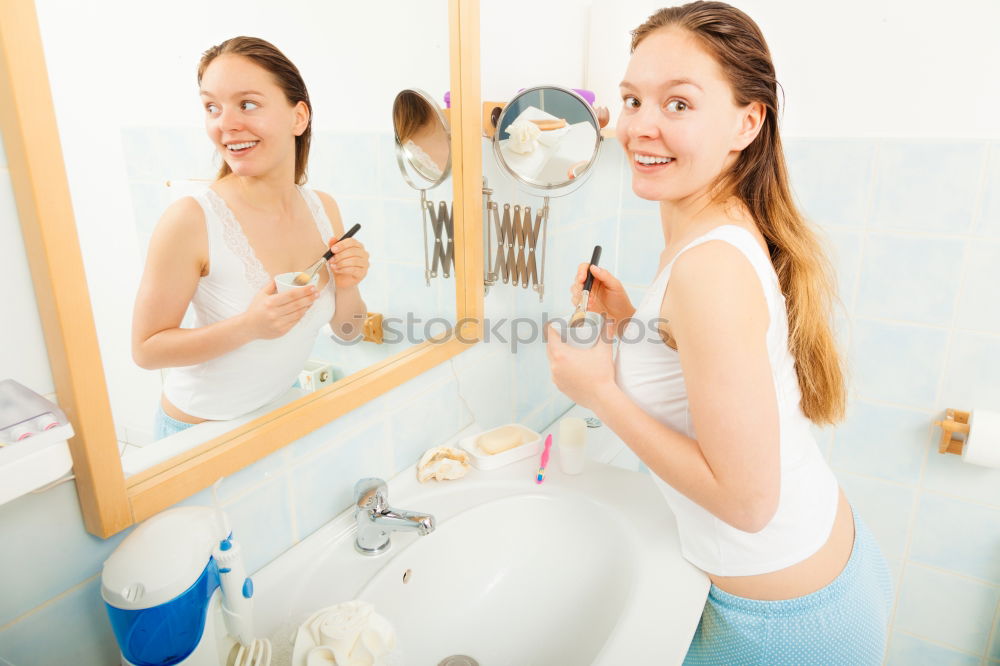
x,y
371,494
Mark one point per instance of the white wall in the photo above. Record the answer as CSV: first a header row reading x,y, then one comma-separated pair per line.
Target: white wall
x,y
858,68
22,350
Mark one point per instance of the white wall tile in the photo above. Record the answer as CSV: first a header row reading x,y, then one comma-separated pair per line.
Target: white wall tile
x,y
910,278
947,609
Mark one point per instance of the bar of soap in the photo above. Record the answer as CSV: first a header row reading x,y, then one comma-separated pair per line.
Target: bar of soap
x,y
500,440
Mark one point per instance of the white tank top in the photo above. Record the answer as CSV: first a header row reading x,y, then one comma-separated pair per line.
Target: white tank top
x,y
649,372
253,375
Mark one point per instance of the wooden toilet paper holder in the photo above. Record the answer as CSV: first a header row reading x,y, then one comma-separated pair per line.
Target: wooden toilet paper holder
x,y
955,422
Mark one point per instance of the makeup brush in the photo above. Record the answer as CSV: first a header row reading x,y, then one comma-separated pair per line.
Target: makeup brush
x,y
581,309
306,275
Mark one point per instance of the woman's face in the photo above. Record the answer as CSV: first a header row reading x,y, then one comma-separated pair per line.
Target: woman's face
x,y
248,117
679,124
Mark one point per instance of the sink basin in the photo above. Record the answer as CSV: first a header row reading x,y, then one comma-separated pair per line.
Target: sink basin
x,y
559,569
579,570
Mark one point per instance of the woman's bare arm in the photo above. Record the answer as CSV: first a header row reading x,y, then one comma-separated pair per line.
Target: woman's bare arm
x,y
719,319
349,317
176,260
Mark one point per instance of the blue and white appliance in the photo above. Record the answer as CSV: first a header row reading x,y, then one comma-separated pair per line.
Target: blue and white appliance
x,y
176,592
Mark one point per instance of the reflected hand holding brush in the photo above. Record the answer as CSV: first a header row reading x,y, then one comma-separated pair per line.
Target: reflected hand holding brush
x,y
305,276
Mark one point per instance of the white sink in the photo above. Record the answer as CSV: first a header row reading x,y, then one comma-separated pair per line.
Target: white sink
x,y
579,570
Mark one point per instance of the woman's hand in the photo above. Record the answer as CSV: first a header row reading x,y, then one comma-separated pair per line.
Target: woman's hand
x,y
583,375
271,314
607,295
349,264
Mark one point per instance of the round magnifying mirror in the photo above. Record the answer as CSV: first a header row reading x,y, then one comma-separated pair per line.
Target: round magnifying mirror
x,y
423,139
547,139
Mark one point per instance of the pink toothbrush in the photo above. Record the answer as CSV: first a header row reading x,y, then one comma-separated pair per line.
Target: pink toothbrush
x,y
545,459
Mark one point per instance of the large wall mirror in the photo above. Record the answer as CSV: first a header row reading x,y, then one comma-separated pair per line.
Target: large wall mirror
x,y
122,118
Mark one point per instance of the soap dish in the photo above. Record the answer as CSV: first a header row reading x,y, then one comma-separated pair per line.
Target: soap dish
x,y
531,446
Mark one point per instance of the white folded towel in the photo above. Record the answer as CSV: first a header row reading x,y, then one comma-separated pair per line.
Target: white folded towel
x,y
523,135
346,634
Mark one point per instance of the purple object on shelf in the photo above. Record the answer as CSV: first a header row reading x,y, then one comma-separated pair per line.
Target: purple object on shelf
x,y
447,100
586,94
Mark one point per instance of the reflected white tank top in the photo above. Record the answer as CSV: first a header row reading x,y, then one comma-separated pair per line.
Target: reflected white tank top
x,y
649,372
253,375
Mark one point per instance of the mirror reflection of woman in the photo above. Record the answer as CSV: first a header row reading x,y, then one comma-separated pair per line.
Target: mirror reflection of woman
x,y
729,359
421,134
218,251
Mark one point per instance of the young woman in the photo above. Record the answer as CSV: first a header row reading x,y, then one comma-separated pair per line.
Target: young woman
x,y
219,251
717,393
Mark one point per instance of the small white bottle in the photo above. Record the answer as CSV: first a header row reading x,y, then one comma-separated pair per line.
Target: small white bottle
x,y
572,444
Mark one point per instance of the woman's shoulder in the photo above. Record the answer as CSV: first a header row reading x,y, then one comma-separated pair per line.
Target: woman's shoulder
x,y
181,226
184,214
717,270
332,211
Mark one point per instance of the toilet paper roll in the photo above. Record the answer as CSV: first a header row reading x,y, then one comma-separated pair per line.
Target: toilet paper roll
x,y
982,447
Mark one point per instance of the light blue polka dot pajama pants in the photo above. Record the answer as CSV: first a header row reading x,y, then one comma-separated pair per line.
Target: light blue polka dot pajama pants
x,y
842,624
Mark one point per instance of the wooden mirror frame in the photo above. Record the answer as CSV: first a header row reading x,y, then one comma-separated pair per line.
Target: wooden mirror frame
x,y
109,501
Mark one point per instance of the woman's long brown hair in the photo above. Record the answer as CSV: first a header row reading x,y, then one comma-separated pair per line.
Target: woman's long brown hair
x,y
759,179
286,75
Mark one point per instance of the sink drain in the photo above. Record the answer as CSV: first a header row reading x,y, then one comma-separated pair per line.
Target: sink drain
x,y
458,660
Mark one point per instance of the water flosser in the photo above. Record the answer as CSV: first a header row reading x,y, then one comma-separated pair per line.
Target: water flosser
x,y
237,588
237,591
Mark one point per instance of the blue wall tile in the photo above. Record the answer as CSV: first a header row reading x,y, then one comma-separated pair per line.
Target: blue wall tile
x,y
906,650
970,375
994,652
989,214
344,163
978,306
323,484
71,630
882,441
46,549
886,509
911,196
945,608
428,421
259,520
831,179
897,363
843,249
910,278
958,536
641,241
949,474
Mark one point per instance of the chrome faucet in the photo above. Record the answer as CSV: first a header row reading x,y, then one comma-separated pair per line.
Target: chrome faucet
x,y
376,519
